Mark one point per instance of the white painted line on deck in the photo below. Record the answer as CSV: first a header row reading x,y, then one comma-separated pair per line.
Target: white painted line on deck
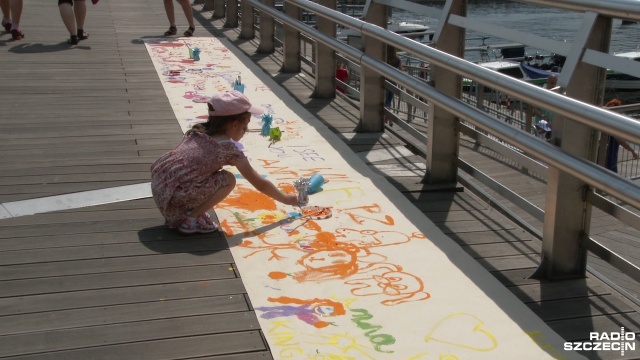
x,y
4,213
74,200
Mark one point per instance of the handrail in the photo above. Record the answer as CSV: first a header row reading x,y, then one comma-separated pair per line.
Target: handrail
x,y
596,117
592,116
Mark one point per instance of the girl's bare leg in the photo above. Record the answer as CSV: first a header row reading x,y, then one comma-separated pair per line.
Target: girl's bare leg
x,y
217,197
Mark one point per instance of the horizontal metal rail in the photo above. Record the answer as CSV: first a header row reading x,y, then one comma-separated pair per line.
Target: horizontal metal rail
x,y
614,259
614,210
525,161
502,190
498,206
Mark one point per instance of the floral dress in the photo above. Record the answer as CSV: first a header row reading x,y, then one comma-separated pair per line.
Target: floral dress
x,y
187,176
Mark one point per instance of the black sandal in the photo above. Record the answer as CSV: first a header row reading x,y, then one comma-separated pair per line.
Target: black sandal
x,y
82,35
73,40
17,34
189,31
172,31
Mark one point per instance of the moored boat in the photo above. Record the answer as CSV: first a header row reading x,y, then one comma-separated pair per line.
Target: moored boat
x,y
415,29
624,82
537,73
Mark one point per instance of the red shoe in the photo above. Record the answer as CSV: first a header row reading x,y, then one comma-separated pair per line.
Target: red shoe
x,y
17,34
7,26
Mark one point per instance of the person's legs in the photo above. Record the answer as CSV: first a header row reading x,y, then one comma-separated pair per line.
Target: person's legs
x,y
388,100
5,7
217,197
16,11
80,11
16,15
188,12
69,19
198,220
168,8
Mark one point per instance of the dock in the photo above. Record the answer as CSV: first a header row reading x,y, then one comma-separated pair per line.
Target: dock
x,y
89,271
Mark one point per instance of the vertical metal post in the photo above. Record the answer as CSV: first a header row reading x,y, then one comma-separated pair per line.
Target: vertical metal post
x,y
567,213
291,41
442,137
232,14
528,120
267,29
372,83
324,57
247,31
218,9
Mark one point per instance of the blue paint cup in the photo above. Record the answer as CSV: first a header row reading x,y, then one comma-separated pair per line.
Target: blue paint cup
x,y
315,183
239,87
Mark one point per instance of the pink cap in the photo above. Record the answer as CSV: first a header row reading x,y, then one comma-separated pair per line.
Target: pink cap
x,y
232,103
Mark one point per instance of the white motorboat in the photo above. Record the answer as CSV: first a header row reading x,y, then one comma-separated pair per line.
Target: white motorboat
x,y
624,82
415,29
536,74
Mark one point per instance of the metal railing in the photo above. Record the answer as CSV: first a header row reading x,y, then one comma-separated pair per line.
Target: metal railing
x,y
566,165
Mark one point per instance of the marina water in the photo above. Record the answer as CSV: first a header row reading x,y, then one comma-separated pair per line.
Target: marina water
x,y
551,23
547,22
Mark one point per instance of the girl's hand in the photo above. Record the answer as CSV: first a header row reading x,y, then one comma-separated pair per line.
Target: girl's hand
x,y
291,199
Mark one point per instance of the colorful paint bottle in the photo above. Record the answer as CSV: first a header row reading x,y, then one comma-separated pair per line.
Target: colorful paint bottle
x,y
315,183
267,119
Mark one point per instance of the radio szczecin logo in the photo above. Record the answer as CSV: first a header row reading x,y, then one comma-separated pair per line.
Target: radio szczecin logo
x,y
605,341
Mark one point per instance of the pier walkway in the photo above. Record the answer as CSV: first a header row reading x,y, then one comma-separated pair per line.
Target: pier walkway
x,y
88,271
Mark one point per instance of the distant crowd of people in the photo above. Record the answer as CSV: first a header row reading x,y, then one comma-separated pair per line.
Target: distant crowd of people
x,y
73,14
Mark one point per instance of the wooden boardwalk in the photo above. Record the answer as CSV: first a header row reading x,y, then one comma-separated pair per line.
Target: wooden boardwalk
x,y
109,281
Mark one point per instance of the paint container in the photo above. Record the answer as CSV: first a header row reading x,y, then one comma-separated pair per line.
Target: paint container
x,y
302,187
267,119
315,183
190,53
196,54
275,134
239,87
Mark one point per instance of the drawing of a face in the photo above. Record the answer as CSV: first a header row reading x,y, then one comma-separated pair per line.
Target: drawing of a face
x,y
327,264
327,258
305,245
370,238
324,310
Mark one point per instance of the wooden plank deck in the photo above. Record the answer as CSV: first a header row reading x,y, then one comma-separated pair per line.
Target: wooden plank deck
x,y
109,281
